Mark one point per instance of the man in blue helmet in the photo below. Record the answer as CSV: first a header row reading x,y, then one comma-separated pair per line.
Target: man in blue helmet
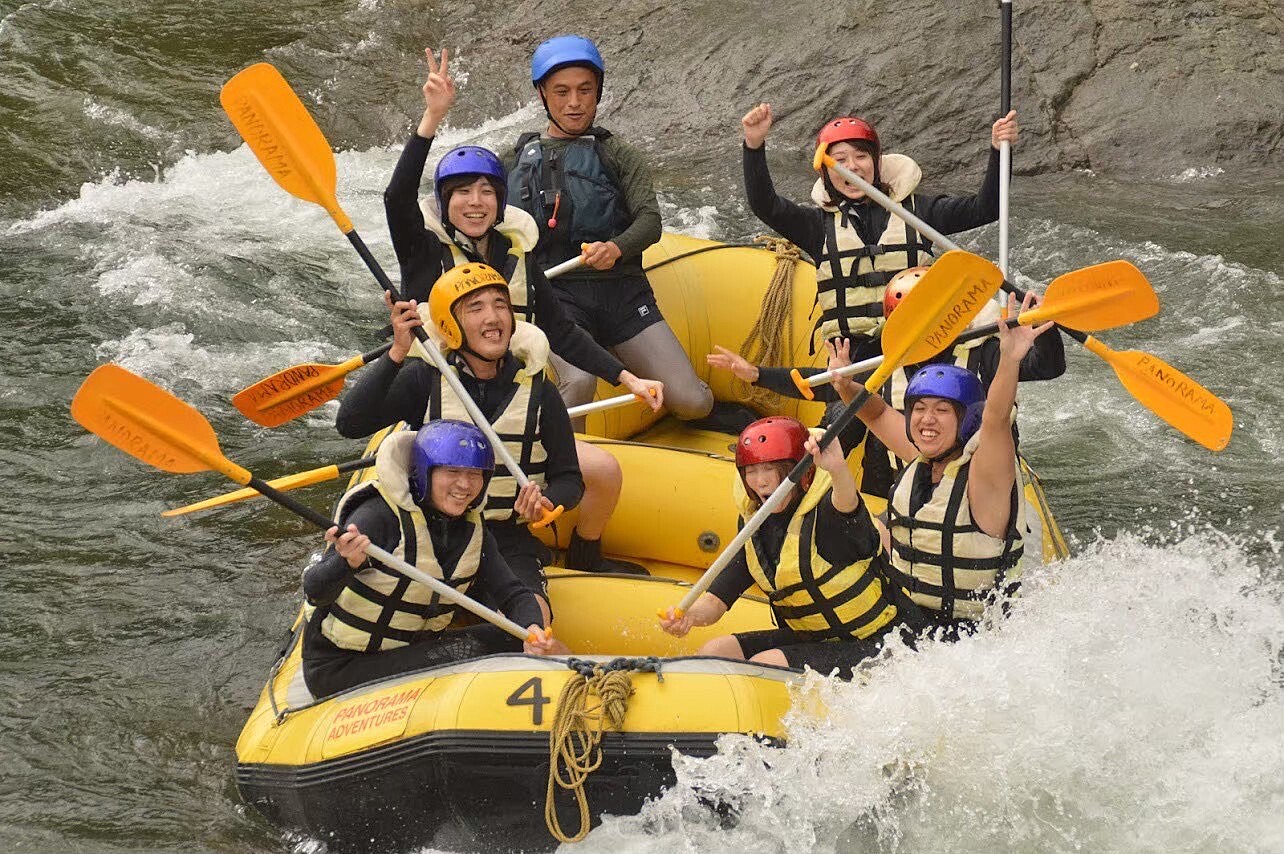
x,y
587,188
955,513
466,220
366,621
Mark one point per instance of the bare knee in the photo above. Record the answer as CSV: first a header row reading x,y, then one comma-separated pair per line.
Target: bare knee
x,y
600,470
771,656
723,646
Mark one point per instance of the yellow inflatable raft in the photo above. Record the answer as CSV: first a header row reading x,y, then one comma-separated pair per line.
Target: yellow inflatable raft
x,y
458,755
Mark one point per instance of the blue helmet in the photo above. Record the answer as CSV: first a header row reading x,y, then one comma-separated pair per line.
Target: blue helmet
x,y
561,51
471,161
449,443
957,385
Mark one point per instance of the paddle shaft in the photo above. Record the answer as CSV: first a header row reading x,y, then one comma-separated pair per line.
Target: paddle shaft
x,y
938,239
445,591
866,365
1005,148
773,503
429,350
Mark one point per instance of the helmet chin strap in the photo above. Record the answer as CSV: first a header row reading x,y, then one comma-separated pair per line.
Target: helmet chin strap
x,y
549,112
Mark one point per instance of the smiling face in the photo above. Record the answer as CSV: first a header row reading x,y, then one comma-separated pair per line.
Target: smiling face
x,y
571,95
473,208
933,426
454,488
486,319
855,159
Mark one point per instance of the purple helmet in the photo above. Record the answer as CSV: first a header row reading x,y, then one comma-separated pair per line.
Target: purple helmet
x,y
449,443
471,161
957,385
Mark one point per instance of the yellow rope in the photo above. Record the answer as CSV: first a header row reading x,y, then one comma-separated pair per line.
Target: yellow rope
x,y
574,749
771,341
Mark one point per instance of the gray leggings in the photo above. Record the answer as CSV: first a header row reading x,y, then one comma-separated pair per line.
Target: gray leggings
x,y
652,354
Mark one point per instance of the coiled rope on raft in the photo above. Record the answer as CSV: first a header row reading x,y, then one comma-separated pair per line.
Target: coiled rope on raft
x,y
595,699
771,341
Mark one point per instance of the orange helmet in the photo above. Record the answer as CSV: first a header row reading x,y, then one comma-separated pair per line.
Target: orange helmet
x,y
454,285
899,287
847,129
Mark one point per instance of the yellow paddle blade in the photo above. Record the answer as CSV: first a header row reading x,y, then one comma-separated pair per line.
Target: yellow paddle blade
x,y
295,391
284,484
283,136
1170,394
951,293
149,423
1103,296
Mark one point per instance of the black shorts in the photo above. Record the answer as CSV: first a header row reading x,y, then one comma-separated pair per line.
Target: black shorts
x,y
841,654
328,669
610,310
525,555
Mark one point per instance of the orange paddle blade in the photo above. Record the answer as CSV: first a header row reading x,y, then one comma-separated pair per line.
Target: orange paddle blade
x,y
149,423
284,484
283,136
295,391
1103,296
952,292
1170,394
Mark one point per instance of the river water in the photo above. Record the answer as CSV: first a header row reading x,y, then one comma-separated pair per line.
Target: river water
x,y
1133,703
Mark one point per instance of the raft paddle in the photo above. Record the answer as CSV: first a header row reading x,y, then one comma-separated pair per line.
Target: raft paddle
x,y
1005,148
952,292
298,390
149,423
1174,397
1103,296
332,472
286,140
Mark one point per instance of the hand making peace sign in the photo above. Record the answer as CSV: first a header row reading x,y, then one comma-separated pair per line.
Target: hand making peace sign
x,y
439,93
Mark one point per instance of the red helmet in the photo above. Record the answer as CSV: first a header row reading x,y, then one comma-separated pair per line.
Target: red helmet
x,y
776,438
899,287
846,129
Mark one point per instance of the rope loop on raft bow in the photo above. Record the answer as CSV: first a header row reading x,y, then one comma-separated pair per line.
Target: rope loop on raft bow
x,y
766,345
595,699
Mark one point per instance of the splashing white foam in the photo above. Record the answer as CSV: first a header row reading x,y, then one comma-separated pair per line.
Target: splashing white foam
x,y
1132,702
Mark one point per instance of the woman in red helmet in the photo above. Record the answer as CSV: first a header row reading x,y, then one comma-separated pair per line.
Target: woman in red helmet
x,y
818,559
858,246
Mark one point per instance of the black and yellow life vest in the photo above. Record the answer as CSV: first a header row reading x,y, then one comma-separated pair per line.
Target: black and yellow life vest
x,y
852,276
815,599
516,422
942,559
522,235
380,608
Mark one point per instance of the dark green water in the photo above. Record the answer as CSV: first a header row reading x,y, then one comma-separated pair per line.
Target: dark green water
x,y
134,229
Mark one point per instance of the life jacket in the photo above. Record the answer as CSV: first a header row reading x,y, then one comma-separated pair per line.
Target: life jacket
x,y
572,184
877,476
516,423
815,599
520,230
381,609
942,559
851,276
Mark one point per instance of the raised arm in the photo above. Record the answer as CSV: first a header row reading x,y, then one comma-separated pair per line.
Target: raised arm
x,y
993,467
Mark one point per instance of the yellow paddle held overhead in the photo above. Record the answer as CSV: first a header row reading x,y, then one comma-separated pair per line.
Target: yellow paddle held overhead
x,y
1176,398
1103,296
283,136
